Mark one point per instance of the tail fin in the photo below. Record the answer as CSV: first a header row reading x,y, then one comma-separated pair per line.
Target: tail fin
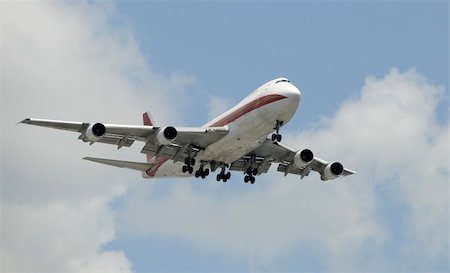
x,y
148,120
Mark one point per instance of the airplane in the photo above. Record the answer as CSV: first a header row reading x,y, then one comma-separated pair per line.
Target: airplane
x,y
237,140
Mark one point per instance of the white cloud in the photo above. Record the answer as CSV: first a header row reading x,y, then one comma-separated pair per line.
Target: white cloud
x,y
68,61
389,135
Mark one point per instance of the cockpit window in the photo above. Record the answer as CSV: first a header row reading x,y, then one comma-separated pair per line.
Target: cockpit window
x,y
282,80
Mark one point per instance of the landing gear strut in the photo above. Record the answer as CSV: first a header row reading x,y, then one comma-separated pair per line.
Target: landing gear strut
x,y
223,176
202,172
276,137
189,162
249,177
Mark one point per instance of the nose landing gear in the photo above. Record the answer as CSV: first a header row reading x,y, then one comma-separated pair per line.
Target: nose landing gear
x,y
276,137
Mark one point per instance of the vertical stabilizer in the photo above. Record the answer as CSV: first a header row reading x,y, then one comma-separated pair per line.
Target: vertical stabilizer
x,y
148,120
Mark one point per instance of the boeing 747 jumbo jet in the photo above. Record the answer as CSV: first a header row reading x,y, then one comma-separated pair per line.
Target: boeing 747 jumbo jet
x,y
237,140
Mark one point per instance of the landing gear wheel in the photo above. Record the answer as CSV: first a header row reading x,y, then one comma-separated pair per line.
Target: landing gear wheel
x,y
228,175
197,174
206,172
252,180
184,169
190,169
274,137
192,161
255,171
218,177
246,179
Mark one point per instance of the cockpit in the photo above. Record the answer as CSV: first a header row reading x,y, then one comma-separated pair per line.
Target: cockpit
x,y
282,80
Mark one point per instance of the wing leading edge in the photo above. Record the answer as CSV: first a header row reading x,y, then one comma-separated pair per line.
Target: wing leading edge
x,y
166,142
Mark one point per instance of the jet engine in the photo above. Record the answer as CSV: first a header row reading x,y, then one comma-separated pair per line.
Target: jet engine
x,y
303,158
95,132
166,135
332,171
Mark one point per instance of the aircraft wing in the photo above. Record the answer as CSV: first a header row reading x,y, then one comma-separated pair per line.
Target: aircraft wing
x,y
271,152
168,142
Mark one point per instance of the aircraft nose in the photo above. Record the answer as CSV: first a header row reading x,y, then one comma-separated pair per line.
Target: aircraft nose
x,y
292,92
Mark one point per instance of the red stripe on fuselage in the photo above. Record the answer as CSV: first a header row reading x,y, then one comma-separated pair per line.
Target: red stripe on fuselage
x,y
253,105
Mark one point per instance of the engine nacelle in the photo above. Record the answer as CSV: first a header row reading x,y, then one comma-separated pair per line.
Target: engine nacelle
x,y
332,171
166,135
303,158
95,132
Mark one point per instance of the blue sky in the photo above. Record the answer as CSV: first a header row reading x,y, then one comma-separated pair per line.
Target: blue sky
x,y
374,82
326,48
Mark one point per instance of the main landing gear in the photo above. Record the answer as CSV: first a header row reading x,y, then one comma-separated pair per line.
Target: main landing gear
x,y
189,162
250,175
223,176
202,172
276,137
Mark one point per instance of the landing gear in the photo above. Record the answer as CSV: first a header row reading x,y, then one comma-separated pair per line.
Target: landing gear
x,y
223,176
188,167
189,161
276,137
201,172
249,177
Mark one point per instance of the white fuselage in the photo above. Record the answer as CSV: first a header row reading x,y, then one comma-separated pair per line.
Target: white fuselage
x,y
249,123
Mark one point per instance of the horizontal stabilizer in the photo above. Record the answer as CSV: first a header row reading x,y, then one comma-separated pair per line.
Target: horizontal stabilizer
x,y
138,166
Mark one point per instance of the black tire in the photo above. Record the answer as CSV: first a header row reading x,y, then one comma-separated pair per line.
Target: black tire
x,y
184,169
255,171
274,137
187,160
190,169
192,161
224,179
245,179
206,172
278,138
252,180
228,175
218,177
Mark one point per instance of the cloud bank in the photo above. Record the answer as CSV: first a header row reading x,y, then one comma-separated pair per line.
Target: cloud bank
x,y
70,61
